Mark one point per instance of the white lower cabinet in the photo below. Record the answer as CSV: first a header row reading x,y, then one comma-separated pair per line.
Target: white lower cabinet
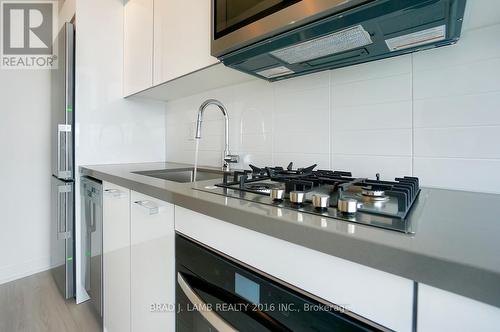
x,y
379,296
116,258
439,310
139,261
152,264
139,272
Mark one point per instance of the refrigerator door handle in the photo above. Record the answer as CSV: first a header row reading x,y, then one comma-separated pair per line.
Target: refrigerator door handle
x,y
58,213
92,217
62,209
63,129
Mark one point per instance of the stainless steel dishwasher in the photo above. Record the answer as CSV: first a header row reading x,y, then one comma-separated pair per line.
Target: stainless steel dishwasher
x,y
91,196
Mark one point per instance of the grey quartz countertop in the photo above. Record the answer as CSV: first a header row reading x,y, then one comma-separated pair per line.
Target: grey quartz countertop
x,y
456,246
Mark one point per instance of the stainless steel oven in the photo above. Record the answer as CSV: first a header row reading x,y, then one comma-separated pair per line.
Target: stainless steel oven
x,y
237,23
216,293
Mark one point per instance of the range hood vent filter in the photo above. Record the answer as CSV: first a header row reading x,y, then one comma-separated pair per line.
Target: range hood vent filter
x,y
337,42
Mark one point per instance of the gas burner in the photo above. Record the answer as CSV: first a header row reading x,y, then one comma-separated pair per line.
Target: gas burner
x,y
373,192
380,203
373,195
264,188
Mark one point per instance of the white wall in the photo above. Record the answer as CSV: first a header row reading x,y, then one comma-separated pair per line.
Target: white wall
x,y
109,129
25,168
24,172
434,114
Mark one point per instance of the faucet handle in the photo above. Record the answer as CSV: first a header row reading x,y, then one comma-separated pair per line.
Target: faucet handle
x,y
232,158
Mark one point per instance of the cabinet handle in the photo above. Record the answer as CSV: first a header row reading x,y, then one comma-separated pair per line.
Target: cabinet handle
x,y
149,206
114,193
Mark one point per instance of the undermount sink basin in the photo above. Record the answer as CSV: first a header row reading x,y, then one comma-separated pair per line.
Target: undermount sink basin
x,y
183,175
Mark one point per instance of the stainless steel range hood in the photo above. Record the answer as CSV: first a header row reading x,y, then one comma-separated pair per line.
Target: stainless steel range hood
x,y
331,34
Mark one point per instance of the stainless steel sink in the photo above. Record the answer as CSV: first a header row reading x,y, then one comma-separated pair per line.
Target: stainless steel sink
x,y
183,175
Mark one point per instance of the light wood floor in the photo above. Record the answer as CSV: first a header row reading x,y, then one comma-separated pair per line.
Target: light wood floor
x,y
34,304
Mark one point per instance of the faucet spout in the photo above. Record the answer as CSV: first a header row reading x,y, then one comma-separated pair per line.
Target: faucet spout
x,y
227,158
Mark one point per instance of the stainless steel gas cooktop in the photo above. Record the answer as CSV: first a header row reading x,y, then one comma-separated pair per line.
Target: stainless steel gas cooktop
x,y
331,194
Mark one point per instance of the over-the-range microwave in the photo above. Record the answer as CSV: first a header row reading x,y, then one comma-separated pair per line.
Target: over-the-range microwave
x,y
278,39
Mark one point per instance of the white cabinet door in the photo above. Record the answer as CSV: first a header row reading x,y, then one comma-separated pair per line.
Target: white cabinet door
x,y
138,46
439,310
181,38
153,264
116,258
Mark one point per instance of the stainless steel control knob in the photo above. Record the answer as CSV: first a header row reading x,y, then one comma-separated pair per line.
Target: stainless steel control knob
x,y
277,194
321,202
348,205
297,197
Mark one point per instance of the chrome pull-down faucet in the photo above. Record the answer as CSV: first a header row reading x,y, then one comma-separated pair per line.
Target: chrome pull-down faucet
x,y
227,158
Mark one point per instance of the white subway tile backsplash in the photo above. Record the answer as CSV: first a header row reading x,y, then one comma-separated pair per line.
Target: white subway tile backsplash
x,y
176,145
432,114
476,77
180,130
473,46
464,110
211,143
375,91
208,158
211,127
312,121
259,122
389,142
301,83
317,142
458,142
253,121
481,13
256,142
302,159
253,103
378,116
254,158
461,174
180,156
372,70
299,103
368,166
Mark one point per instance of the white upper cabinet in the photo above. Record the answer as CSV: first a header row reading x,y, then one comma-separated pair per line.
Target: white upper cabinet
x,y
138,46
181,38
164,40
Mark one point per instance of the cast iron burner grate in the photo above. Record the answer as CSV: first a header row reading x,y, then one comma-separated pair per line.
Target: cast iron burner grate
x,y
400,193
261,187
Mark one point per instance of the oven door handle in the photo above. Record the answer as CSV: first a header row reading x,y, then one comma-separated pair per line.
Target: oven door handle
x,y
211,316
259,316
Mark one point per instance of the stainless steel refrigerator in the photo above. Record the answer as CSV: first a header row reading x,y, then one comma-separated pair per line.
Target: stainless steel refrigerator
x,y
63,174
